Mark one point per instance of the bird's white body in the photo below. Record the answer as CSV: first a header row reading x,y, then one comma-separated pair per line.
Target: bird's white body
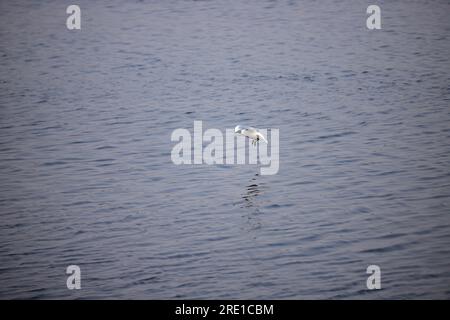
x,y
250,133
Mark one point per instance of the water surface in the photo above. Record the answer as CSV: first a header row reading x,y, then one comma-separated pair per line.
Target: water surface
x,y
87,179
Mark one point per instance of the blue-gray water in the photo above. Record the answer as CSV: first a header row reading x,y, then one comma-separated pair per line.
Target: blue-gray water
x,y
86,176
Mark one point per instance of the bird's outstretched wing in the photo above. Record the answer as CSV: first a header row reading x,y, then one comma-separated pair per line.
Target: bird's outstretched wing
x,y
240,129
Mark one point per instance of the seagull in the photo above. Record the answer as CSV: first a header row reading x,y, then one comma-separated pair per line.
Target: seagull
x,y
250,133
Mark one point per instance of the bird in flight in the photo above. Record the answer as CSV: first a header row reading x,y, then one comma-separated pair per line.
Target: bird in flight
x,y
250,133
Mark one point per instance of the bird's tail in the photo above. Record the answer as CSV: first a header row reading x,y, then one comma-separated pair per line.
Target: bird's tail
x,y
262,137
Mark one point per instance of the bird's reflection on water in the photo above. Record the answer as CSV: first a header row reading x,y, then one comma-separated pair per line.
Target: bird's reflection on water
x,y
250,195
251,203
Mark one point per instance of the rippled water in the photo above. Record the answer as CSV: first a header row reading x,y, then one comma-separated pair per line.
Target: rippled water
x,y
87,179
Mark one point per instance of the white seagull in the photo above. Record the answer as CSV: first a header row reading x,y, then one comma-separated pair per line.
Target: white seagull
x,y
250,133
